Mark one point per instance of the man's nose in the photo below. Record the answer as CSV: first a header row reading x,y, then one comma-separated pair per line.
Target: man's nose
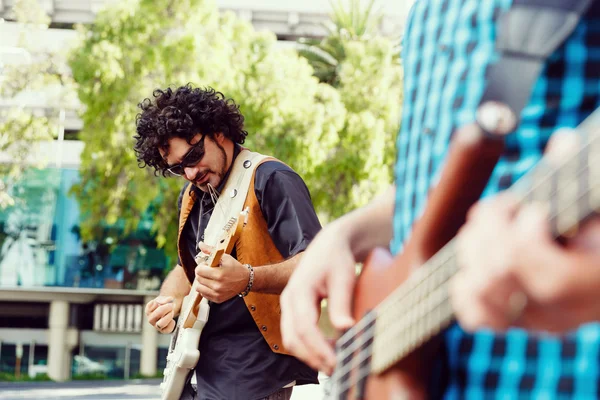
x,y
190,172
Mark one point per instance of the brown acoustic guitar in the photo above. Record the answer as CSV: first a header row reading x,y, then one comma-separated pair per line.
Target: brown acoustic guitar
x,y
402,304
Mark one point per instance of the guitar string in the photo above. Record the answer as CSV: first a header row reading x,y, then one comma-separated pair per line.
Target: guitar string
x,y
349,334
354,344
349,380
365,353
346,367
345,354
404,289
548,175
370,335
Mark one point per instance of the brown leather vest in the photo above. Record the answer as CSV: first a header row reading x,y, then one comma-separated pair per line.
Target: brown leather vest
x,y
254,247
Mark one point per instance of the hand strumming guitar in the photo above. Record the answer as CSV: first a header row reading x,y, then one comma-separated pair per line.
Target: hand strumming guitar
x,y
327,270
514,274
161,312
221,284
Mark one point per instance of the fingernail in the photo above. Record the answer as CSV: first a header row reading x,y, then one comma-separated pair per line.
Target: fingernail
x,y
343,322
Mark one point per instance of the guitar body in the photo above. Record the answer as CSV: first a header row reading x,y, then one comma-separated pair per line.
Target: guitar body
x,y
183,352
378,279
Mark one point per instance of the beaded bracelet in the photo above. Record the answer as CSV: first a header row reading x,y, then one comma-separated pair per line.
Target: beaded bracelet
x,y
250,281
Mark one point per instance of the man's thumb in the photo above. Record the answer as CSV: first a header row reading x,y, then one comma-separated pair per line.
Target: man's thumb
x,y
205,248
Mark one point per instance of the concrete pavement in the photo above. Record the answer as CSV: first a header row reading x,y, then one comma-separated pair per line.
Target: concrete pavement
x,y
110,390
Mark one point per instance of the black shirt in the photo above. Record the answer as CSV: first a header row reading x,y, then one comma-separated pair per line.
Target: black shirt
x,y
235,360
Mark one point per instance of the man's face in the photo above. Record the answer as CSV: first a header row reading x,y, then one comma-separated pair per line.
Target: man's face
x,y
202,162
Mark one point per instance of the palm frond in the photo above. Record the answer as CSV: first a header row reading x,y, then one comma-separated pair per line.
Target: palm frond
x,y
348,23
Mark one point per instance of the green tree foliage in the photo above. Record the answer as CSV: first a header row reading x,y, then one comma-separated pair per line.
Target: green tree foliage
x,y
137,46
335,137
347,24
364,67
21,126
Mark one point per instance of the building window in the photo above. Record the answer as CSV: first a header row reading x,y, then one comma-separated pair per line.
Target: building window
x,y
72,134
40,244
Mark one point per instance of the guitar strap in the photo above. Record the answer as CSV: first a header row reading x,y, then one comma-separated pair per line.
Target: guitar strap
x,y
230,202
528,33
233,195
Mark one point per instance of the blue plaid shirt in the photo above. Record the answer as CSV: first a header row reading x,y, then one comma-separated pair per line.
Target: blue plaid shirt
x,y
448,47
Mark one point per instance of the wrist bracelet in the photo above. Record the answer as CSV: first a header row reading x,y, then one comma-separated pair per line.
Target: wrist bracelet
x,y
250,281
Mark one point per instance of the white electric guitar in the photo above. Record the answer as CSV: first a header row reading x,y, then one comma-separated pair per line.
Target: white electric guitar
x,y
183,352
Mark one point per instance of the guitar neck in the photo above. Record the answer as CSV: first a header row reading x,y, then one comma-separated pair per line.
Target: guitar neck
x,y
231,233
187,316
420,308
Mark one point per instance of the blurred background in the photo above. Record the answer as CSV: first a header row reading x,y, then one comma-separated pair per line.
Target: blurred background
x,y
85,235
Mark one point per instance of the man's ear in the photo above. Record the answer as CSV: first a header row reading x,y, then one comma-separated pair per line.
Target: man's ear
x,y
163,153
219,138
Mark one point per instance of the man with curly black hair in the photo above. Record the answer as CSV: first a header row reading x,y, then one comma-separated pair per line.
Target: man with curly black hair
x,y
197,134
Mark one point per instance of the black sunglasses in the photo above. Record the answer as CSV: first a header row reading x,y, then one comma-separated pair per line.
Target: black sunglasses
x,y
190,159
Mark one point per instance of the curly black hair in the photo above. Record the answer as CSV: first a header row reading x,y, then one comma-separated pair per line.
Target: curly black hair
x,y
183,113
